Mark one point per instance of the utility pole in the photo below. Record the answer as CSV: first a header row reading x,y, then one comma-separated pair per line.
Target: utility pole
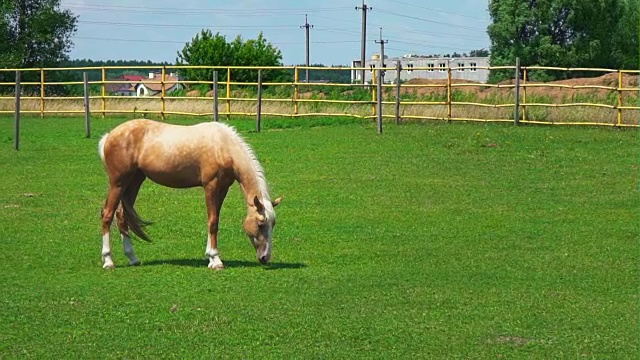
x,y
306,26
363,46
382,42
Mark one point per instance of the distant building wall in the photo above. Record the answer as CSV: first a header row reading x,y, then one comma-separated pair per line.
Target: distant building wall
x,y
436,68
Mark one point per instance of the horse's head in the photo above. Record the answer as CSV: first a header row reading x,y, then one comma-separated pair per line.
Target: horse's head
x,y
259,225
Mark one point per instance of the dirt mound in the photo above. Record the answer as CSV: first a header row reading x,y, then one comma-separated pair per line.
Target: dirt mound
x,y
420,81
193,93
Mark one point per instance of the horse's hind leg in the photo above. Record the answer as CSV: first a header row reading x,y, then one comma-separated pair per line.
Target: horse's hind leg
x,y
130,193
126,239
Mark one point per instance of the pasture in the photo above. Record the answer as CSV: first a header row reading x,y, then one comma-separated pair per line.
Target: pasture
x,y
431,241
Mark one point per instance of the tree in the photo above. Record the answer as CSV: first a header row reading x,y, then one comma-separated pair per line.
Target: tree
x,y
479,53
563,33
207,49
34,33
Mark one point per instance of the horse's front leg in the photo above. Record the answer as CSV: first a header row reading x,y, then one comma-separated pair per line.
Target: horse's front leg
x,y
214,198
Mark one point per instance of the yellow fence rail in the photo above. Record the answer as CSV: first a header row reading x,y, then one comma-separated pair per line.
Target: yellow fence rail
x,y
611,102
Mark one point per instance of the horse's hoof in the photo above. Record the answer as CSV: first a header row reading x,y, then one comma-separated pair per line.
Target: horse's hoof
x,y
135,263
109,266
217,267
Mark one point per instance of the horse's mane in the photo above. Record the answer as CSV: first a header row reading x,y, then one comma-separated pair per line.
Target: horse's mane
x,y
262,181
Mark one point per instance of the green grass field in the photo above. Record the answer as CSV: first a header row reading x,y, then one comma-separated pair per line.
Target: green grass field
x,y
431,241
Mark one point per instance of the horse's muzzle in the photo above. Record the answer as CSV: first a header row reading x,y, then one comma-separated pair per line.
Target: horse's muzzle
x,y
263,260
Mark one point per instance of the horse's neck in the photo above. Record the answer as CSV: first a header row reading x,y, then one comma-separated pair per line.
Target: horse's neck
x,y
247,177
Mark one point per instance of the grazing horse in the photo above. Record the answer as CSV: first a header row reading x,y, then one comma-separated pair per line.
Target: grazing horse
x,y
211,155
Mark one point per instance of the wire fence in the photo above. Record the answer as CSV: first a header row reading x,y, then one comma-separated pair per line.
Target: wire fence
x,y
608,97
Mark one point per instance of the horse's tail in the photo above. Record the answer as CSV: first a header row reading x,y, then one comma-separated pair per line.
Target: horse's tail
x,y
133,220
103,140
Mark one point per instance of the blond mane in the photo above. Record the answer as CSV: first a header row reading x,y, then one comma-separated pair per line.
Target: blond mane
x,y
257,167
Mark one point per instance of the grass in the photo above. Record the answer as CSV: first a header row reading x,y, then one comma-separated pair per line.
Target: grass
x,y
431,241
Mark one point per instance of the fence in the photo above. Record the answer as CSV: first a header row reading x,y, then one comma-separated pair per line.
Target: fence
x,y
612,102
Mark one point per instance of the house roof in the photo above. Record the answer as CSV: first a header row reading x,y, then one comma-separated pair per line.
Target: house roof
x,y
112,88
132,77
154,85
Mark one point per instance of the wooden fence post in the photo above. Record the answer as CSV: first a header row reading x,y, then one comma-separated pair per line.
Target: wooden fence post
x,y
87,117
296,90
216,115
516,119
103,92
449,92
620,85
228,93
42,93
398,85
163,91
379,101
259,106
16,129
524,94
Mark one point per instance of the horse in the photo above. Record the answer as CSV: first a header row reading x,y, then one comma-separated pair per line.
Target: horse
x,y
211,155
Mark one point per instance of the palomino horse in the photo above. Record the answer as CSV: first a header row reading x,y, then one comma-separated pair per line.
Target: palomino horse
x,y
211,155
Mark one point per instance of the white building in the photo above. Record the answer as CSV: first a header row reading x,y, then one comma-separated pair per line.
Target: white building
x,y
467,68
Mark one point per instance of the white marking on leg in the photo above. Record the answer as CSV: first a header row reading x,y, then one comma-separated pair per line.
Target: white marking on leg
x,y
128,250
214,257
106,252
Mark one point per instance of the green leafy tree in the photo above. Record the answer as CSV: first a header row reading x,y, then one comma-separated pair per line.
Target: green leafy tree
x,y
207,49
34,33
563,33
478,53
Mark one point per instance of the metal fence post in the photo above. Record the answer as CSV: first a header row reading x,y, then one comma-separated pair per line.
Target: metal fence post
x,y
398,85
87,119
516,119
16,129
379,101
259,106
216,115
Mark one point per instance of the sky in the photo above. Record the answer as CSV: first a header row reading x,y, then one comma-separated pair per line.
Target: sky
x,y
157,29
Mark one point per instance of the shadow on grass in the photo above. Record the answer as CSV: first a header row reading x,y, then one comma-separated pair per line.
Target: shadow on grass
x,y
202,263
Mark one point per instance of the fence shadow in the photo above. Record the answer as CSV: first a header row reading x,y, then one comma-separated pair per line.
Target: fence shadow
x,y
202,263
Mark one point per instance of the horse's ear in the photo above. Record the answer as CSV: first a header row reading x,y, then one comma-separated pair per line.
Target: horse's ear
x,y
258,204
275,202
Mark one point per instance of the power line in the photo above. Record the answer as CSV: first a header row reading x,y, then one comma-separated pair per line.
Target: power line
x,y
399,40
185,26
199,11
438,10
407,30
429,21
184,42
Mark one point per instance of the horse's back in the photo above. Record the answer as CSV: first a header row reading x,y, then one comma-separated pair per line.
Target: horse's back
x,y
172,155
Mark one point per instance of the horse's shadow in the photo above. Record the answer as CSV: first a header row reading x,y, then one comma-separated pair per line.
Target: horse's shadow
x,y
202,263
